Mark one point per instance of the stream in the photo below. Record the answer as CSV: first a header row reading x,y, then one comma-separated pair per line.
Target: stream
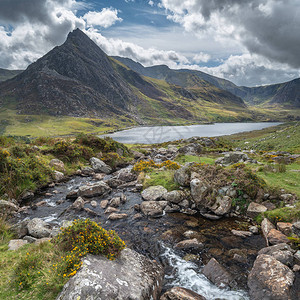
x,y
154,237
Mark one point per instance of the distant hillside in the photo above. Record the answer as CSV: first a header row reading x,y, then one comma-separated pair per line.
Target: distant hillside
x,y
8,74
78,79
284,94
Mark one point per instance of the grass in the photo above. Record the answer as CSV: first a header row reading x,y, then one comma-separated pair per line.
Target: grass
x,y
164,178
182,159
288,180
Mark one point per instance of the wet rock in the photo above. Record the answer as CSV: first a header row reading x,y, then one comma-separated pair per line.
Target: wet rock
x,y
57,164
211,216
182,175
72,195
185,204
126,175
221,206
99,176
270,279
266,226
115,202
87,171
174,196
277,237
131,276
151,208
154,193
7,208
217,274
94,203
41,203
137,216
114,182
38,228
189,244
78,204
285,228
111,210
100,166
281,252
115,216
241,233
103,204
239,258
27,196
179,293
296,228
296,268
191,257
89,211
172,208
97,189
16,244
254,209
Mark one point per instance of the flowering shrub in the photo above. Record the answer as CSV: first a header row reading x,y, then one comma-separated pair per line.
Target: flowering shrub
x,y
82,237
144,165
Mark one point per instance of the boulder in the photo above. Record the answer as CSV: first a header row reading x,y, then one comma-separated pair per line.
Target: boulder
x,y
296,228
182,176
266,226
221,206
253,229
189,244
174,196
241,233
20,229
191,149
152,208
94,203
154,193
281,252
217,274
7,208
115,202
38,228
131,276
57,164
114,182
277,237
111,210
97,189
199,190
78,204
87,171
126,175
103,204
100,166
254,209
16,244
115,216
297,256
285,228
232,158
179,293
270,279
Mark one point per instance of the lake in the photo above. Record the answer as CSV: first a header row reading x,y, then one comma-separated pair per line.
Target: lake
x,y
160,134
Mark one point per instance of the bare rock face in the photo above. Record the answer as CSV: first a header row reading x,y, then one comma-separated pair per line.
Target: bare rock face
x,y
154,193
270,279
97,189
217,274
179,293
100,166
130,277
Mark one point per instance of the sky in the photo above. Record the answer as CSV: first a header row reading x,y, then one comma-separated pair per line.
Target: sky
x,y
249,42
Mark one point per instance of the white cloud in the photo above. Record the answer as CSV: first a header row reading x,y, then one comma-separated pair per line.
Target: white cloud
x,y
105,18
151,3
201,57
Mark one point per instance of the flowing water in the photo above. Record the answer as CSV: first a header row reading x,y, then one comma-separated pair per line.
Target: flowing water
x,y
155,238
160,134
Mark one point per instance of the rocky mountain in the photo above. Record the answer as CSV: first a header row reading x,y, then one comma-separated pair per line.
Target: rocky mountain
x,y
283,94
79,79
8,74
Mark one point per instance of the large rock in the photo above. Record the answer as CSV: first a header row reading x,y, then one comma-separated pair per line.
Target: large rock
x,y
100,166
182,176
57,165
217,274
174,196
179,293
266,227
270,279
38,228
232,158
130,277
152,208
7,208
254,209
199,191
126,175
191,149
189,244
58,176
296,228
97,189
16,244
78,204
221,206
285,228
281,252
277,237
154,193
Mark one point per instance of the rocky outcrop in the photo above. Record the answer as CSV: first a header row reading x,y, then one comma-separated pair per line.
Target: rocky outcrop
x,y
100,166
97,189
191,149
154,193
179,293
7,208
38,228
270,279
130,277
217,274
232,158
